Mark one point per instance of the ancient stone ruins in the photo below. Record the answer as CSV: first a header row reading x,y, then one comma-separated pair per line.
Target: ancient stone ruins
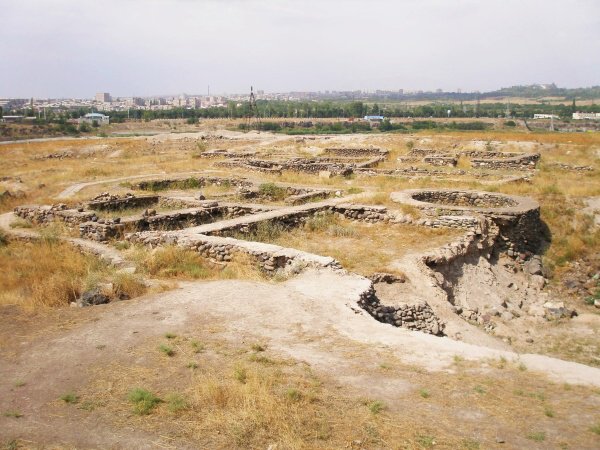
x,y
495,227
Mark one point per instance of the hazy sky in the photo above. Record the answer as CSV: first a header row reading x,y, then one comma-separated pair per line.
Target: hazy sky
x,y
68,48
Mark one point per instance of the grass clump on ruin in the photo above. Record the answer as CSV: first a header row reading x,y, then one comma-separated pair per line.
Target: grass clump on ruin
x,y
272,191
173,262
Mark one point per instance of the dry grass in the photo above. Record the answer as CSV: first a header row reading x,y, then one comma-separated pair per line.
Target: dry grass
x,y
173,262
353,243
231,399
34,277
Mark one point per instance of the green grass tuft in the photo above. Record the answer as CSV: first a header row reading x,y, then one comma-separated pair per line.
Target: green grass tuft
x,y
537,436
166,350
143,401
69,397
376,406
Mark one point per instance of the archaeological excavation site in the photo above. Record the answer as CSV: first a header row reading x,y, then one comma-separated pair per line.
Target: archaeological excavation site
x,y
213,288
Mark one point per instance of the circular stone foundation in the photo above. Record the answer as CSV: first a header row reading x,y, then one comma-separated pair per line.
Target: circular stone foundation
x,y
459,202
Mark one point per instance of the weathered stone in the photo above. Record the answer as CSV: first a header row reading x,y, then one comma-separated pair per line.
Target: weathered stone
x,y
93,297
538,281
555,310
533,266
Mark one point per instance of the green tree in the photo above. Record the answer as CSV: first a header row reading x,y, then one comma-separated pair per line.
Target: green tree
x,y
386,125
84,127
356,109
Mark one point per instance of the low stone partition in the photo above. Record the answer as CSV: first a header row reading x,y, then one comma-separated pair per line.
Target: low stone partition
x,y
357,152
299,199
490,154
109,202
253,164
189,183
463,198
416,317
524,162
421,152
481,239
371,162
441,160
44,214
102,230
518,218
365,213
227,154
573,168
208,212
412,171
269,257
313,166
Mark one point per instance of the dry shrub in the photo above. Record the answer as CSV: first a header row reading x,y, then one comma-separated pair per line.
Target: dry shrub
x,y
254,410
128,285
44,273
242,267
380,198
352,243
50,273
175,262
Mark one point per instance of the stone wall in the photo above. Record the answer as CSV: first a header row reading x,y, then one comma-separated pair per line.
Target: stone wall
x,y
518,218
490,154
269,257
409,171
525,162
193,182
416,317
299,199
313,166
441,160
357,152
109,202
573,168
421,152
44,214
464,198
102,230
227,154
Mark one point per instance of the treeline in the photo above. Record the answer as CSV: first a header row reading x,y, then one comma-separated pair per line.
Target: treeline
x,y
330,109
310,127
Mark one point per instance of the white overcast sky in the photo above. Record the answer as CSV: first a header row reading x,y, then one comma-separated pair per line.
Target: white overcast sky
x,y
75,48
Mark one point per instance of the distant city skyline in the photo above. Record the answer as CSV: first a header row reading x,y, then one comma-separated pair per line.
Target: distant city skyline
x,y
74,49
